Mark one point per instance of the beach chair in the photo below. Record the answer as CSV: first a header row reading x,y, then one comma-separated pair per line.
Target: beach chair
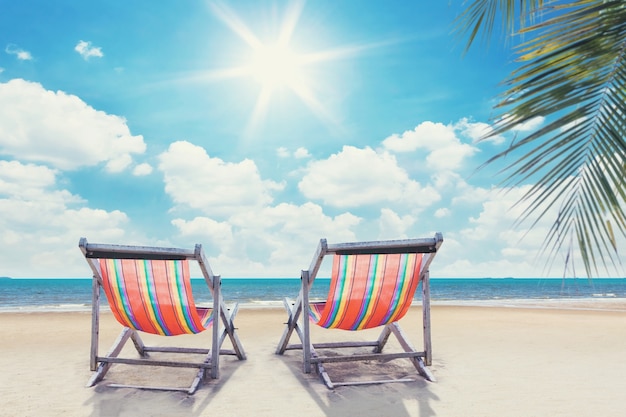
x,y
149,290
372,284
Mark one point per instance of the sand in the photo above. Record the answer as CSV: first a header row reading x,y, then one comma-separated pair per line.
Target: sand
x,y
488,361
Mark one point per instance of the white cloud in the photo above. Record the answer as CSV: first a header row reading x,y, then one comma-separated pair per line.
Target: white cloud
x,y
142,169
446,150
283,152
274,241
61,130
17,179
527,126
215,187
393,226
572,124
494,230
86,50
41,224
218,233
301,153
21,54
356,177
119,163
477,131
427,135
242,232
530,125
442,212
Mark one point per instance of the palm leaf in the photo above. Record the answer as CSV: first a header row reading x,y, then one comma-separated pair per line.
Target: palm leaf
x,y
482,16
573,72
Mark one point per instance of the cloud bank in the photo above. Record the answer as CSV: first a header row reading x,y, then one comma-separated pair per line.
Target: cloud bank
x,y
413,184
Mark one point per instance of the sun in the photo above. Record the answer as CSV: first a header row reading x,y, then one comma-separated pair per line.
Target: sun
x,y
276,66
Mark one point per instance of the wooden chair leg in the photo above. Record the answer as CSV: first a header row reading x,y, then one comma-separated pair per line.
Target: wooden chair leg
x,y
307,347
219,312
115,350
95,323
382,339
418,362
428,347
229,330
292,324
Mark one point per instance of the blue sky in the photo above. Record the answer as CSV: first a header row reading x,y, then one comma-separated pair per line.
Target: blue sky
x,y
255,128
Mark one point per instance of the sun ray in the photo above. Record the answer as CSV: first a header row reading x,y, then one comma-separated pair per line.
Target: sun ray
x,y
292,16
322,113
227,16
260,110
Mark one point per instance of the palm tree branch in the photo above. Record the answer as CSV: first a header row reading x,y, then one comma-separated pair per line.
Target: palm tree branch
x,y
572,70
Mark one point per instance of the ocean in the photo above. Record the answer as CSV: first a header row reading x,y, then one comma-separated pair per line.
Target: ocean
x,y
33,295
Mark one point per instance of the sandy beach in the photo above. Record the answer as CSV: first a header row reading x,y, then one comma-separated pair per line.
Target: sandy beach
x,y
488,361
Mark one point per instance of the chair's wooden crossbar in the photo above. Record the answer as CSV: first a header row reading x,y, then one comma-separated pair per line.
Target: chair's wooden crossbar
x,y
106,251
366,357
378,381
199,351
330,345
230,352
426,245
152,256
297,312
152,362
189,390
170,349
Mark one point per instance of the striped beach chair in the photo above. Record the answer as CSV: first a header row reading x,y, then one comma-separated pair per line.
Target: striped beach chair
x,y
148,290
372,285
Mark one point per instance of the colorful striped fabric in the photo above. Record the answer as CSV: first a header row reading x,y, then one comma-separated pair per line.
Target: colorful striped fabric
x,y
153,296
368,291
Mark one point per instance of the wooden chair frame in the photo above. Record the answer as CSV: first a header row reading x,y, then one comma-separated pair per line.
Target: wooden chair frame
x,y
299,322
101,364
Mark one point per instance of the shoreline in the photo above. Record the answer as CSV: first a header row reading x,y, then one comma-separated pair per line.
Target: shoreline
x,y
584,304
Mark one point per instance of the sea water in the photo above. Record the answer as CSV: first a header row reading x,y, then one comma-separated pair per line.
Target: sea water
x,y
47,294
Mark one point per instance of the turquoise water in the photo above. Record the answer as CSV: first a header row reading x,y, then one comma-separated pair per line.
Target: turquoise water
x,y
75,294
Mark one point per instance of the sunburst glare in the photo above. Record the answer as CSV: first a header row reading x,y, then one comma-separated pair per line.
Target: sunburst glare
x,y
278,64
274,66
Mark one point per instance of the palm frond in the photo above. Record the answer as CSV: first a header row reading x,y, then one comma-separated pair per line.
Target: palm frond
x,y
573,72
487,15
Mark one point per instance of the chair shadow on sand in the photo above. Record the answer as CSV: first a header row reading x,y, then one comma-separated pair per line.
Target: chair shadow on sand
x,y
401,399
115,402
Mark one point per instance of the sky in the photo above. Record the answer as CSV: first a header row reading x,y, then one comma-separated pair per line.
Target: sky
x,y
254,128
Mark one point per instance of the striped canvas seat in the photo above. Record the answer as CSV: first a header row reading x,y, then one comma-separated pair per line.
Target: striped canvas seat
x,y
368,290
153,296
